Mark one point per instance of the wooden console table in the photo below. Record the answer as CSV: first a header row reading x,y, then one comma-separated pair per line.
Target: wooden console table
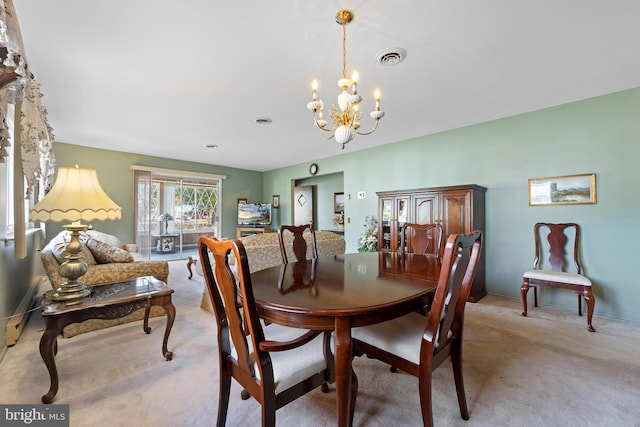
x,y
252,230
105,302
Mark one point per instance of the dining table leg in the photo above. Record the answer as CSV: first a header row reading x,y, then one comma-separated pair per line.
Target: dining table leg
x,y
345,395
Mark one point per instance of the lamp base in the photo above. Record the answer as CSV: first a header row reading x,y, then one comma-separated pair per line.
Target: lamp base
x,y
73,268
71,291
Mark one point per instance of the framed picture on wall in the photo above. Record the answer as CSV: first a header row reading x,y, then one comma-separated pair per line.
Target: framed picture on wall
x,y
275,201
338,202
563,190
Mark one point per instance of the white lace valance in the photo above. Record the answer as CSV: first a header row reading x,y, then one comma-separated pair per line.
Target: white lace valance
x,y
33,136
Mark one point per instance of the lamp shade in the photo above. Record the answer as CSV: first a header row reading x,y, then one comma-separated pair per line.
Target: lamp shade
x,y
75,196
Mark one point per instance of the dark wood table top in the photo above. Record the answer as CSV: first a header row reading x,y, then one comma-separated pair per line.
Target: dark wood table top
x,y
350,283
340,292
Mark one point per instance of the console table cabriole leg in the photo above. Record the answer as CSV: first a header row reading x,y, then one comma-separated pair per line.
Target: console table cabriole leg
x,y
190,261
48,350
147,312
170,309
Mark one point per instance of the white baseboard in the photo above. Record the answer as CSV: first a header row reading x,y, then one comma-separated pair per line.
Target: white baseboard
x,y
22,312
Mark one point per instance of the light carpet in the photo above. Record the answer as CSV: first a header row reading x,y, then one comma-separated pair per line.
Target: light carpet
x,y
544,370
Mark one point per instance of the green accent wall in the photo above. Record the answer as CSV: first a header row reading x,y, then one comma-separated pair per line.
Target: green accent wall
x,y
116,177
600,135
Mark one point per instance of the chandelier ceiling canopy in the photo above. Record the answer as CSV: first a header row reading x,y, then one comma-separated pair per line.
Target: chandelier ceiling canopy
x,y
345,114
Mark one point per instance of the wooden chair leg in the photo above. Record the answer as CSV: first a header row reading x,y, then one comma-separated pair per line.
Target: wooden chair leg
x,y
591,303
269,411
456,362
524,289
223,399
354,395
425,398
579,305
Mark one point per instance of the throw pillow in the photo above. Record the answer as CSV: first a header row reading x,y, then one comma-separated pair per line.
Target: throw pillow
x,y
59,249
106,254
105,238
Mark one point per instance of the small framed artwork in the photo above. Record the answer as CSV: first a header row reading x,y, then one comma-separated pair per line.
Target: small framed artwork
x,y
275,201
563,190
338,202
243,201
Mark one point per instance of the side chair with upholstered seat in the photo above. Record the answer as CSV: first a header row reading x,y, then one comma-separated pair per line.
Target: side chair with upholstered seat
x,y
298,242
276,364
418,345
557,275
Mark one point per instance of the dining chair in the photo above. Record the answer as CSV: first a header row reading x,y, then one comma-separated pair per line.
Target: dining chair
x,y
298,242
408,344
557,274
276,364
423,239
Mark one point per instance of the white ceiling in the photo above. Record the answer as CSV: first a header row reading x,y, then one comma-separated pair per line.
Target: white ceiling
x,y
163,78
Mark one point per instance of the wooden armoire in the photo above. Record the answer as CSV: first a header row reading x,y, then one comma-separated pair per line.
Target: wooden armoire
x,y
459,209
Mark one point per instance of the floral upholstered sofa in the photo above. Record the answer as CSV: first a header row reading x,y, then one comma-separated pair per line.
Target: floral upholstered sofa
x,y
263,251
108,261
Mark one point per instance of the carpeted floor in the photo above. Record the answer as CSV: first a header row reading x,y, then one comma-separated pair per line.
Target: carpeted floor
x,y
544,370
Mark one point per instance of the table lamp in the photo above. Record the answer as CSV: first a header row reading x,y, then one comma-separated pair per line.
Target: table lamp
x,y
75,196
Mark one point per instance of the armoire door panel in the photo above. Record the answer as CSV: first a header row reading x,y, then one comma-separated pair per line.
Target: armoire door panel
x,y
455,215
425,209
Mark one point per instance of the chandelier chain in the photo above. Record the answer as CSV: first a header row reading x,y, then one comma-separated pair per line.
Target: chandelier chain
x,y
344,49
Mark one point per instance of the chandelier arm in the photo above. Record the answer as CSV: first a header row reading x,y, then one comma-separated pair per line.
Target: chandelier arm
x,y
323,132
324,136
371,131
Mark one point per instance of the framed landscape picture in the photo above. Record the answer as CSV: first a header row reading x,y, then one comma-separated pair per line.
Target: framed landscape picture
x,y
563,190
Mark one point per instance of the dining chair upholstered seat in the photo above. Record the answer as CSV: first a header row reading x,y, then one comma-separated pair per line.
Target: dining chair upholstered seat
x,y
417,344
273,364
557,276
552,264
400,336
292,366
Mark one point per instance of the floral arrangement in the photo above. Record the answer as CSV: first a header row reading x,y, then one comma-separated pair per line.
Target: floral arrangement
x,y
338,219
368,241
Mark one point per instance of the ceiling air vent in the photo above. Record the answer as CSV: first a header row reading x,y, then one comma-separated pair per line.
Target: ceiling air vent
x,y
263,120
393,56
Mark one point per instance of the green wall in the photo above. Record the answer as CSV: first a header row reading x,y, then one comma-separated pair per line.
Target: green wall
x,y
599,135
116,177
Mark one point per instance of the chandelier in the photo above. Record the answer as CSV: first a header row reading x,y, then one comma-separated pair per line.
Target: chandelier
x,y
345,114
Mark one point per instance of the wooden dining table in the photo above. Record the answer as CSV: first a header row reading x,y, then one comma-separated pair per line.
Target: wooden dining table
x,y
341,292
